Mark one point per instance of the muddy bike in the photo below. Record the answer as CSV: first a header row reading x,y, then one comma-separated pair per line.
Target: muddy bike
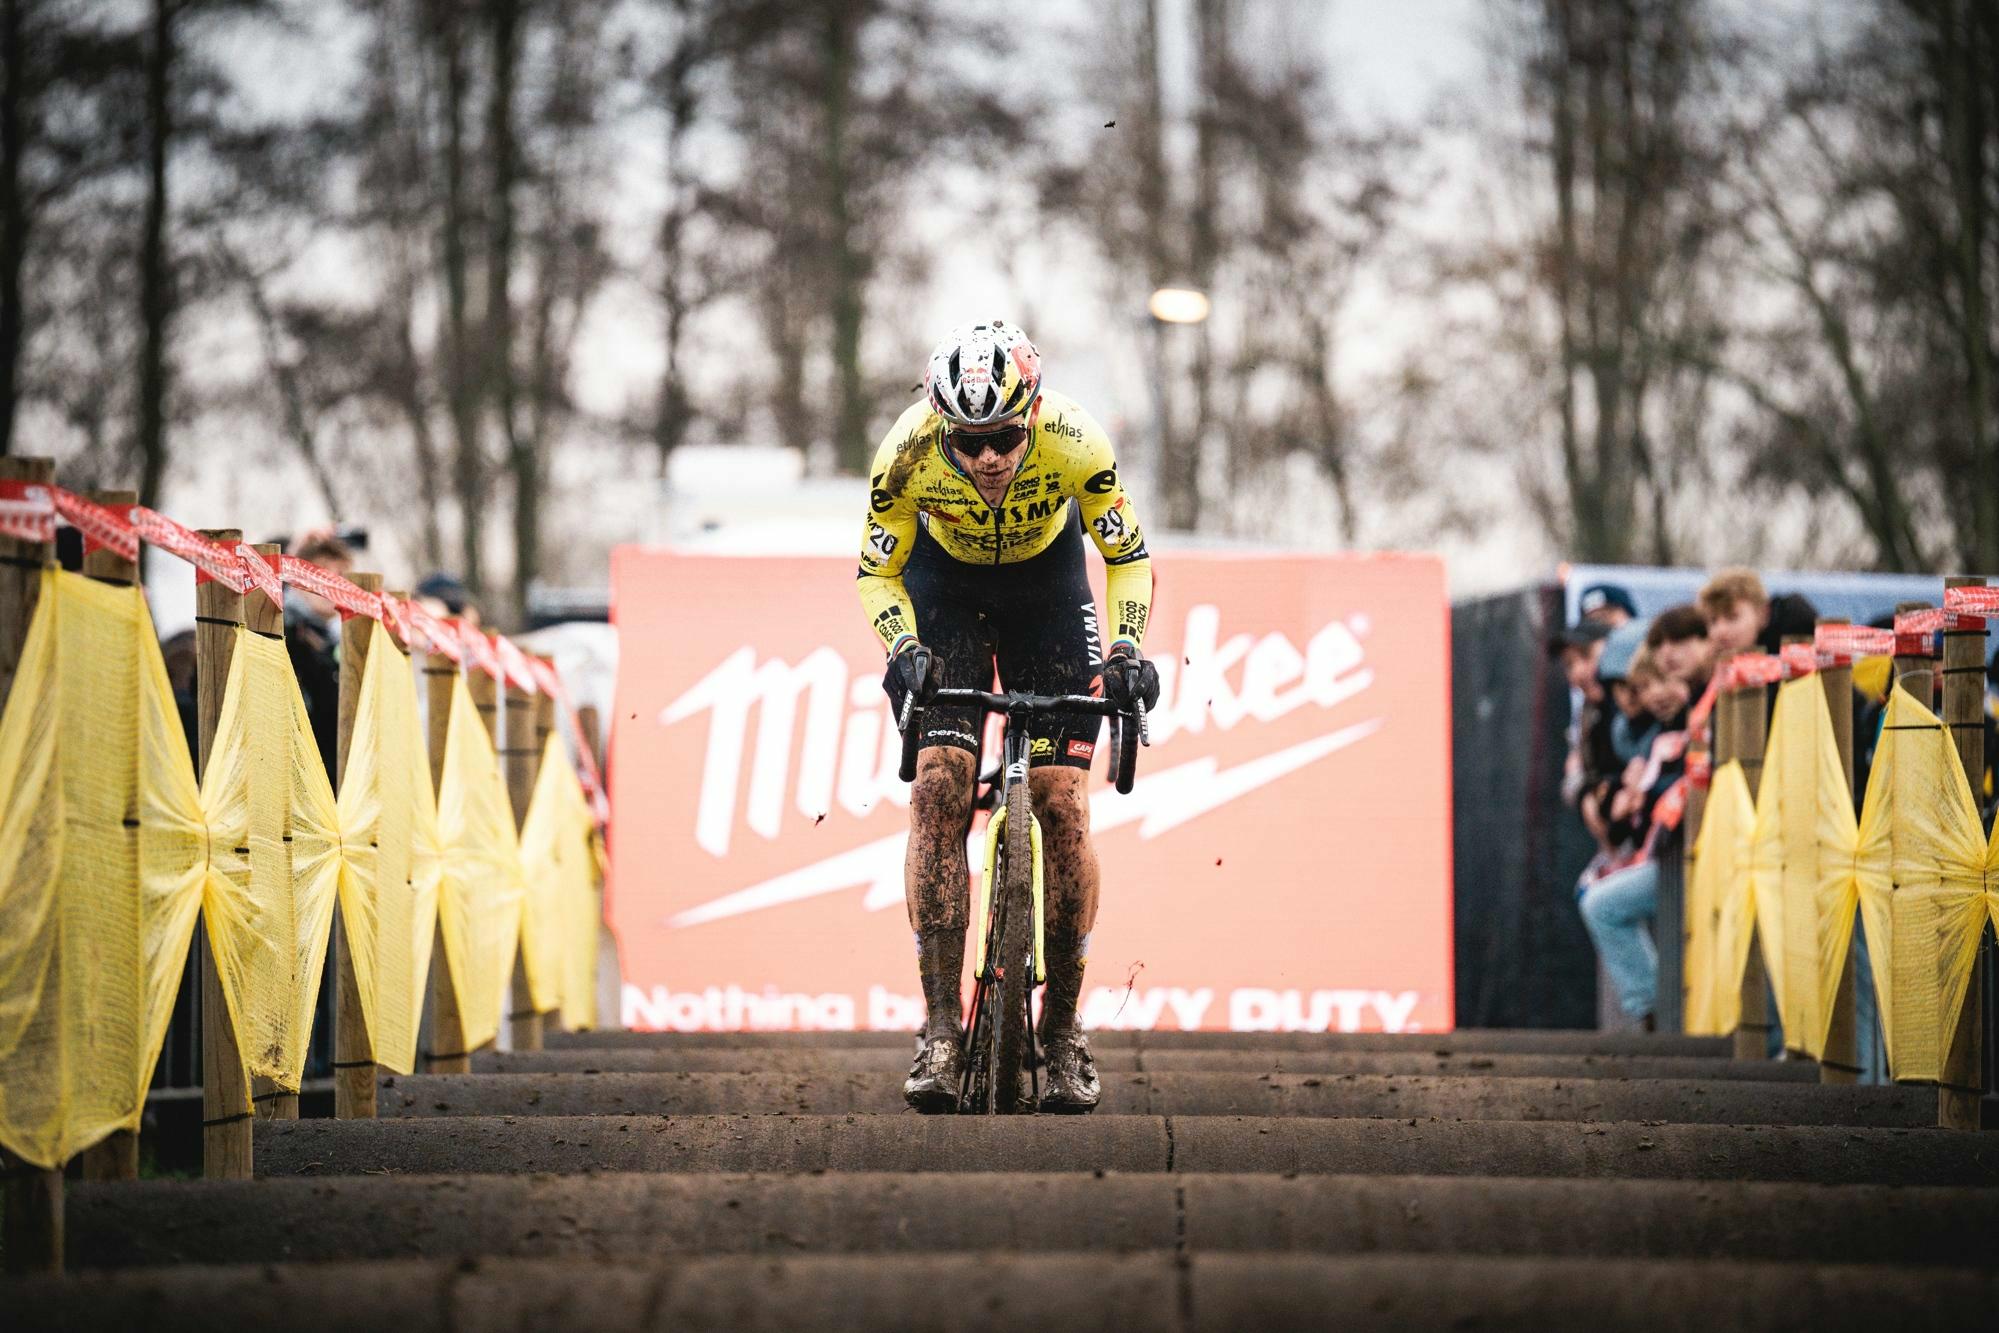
x,y
1001,1059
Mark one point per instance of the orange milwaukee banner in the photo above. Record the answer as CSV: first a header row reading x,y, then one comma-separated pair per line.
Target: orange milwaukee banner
x,y
1284,862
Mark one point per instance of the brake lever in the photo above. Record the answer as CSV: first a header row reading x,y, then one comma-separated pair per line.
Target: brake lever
x,y
908,707
1144,727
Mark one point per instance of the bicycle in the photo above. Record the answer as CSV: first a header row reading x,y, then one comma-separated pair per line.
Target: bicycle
x,y
1000,1050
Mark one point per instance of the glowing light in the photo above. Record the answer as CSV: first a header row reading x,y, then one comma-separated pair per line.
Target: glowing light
x,y
1178,305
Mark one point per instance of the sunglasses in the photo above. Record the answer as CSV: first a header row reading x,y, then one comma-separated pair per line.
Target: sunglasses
x,y
973,444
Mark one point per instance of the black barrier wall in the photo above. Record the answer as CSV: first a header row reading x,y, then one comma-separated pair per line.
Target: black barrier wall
x,y
1523,958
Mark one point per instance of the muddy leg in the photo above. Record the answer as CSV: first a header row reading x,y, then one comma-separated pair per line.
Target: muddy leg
x,y
1069,865
935,881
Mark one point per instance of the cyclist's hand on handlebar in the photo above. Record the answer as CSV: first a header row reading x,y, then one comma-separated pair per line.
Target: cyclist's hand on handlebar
x,y
911,672
1129,677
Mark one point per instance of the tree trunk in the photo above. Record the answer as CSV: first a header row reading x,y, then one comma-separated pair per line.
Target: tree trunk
x,y
468,462
13,213
1182,471
1568,261
155,264
670,421
410,397
840,35
521,460
1966,83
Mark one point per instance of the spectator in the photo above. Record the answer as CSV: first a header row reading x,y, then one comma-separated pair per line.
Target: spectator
x,y
1741,615
1606,742
1605,604
1578,649
1619,905
1681,647
312,638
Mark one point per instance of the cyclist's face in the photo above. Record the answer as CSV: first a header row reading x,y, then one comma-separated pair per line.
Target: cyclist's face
x,y
992,454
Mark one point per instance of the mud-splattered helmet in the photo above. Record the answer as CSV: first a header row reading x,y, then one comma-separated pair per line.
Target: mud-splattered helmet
x,y
983,373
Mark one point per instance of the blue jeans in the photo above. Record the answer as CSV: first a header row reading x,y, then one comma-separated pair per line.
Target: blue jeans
x,y
1618,910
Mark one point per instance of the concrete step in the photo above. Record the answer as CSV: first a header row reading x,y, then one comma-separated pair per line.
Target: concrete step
x,y
1521,1041
1679,1101
635,1217
1008,1291
1126,1059
578,1144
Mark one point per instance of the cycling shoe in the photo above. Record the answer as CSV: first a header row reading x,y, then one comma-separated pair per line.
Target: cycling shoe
x,y
1069,1084
932,1086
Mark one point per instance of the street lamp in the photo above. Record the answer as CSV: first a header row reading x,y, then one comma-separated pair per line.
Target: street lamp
x,y
1178,305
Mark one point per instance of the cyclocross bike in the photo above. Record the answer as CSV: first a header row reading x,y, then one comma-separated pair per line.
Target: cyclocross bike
x,y
1001,1058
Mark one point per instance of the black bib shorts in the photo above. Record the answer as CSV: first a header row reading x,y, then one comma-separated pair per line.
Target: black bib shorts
x,y
1035,619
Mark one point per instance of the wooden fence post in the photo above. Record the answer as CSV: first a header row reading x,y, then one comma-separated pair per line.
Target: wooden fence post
x,y
1840,1061
353,1049
1751,732
31,1215
519,760
1960,1080
447,1054
266,619
225,1091
115,1157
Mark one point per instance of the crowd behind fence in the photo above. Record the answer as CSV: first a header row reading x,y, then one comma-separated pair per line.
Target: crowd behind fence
x,y
453,861
1795,898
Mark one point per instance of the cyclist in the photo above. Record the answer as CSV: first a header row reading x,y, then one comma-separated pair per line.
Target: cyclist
x,y
972,557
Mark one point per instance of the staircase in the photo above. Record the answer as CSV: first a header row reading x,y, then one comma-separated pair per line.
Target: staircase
x,y
1231,1181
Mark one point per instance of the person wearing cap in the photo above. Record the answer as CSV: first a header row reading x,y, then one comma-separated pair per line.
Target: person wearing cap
x,y
1605,604
1577,648
1617,729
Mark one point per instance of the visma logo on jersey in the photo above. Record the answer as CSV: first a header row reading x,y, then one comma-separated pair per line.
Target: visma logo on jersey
x,y
1247,879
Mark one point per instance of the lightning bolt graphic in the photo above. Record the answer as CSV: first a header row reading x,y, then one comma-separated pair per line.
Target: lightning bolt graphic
x,y
1158,802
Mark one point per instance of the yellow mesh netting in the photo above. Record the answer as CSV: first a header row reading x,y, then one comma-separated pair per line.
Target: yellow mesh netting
x,y
543,886
100,877
270,910
388,887
1808,776
1941,868
479,895
1717,904
1766,873
559,935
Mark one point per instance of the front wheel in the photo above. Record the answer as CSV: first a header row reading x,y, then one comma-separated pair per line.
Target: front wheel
x,y
1014,908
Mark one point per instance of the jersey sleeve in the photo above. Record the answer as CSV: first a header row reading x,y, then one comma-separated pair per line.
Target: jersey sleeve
x,y
1113,523
886,538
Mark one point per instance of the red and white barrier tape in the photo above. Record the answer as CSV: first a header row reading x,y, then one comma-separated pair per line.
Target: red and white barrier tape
x,y
1979,600
438,635
349,597
478,650
262,570
103,528
514,666
1852,641
1932,620
1753,669
27,511
211,560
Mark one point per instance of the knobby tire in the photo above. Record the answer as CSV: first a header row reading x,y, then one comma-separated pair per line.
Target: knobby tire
x,y
1015,908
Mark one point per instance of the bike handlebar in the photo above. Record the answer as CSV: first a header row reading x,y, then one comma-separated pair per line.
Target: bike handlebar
x,y
1124,740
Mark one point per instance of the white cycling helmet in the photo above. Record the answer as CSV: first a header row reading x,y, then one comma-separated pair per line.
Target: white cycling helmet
x,y
983,373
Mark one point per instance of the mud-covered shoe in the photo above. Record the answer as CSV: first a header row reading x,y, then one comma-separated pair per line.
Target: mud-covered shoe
x,y
932,1086
1070,1081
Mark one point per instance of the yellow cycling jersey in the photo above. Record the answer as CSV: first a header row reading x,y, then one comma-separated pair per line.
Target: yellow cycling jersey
x,y
916,480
